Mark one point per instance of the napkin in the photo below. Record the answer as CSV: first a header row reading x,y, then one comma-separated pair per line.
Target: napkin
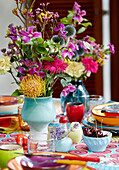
x,y
9,124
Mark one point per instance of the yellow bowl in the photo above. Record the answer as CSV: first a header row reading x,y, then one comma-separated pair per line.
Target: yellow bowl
x,y
102,117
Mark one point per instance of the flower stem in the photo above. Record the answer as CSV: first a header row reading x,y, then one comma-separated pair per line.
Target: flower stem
x,y
13,77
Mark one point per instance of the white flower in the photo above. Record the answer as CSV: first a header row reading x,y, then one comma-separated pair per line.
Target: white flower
x,y
75,69
5,64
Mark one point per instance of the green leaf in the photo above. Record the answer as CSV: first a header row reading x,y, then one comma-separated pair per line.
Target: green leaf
x,y
18,42
16,93
82,29
41,50
40,40
47,58
87,24
84,19
66,20
67,78
34,55
70,15
87,45
91,39
63,82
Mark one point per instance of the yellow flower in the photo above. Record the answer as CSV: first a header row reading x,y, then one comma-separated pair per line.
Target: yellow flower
x,y
75,69
8,32
32,86
24,12
21,1
5,64
100,61
14,11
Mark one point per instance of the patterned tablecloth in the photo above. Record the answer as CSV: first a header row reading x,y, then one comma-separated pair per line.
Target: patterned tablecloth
x,y
111,152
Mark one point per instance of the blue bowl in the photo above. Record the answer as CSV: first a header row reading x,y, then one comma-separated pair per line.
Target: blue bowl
x,y
98,144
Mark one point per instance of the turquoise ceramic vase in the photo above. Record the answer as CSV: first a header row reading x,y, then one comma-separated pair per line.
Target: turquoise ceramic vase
x,y
38,113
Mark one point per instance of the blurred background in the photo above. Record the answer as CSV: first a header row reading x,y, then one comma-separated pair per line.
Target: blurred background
x,y
105,25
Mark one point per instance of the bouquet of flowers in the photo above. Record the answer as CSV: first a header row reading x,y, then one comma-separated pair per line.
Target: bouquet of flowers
x,y
43,50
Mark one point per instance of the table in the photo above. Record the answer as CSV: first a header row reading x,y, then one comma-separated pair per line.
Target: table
x,y
112,150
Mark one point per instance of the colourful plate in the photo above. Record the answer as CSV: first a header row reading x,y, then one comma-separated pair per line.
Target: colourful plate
x,y
102,117
91,123
9,105
15,163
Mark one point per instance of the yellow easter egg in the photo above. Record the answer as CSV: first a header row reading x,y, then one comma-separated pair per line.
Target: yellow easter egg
x,y
75,133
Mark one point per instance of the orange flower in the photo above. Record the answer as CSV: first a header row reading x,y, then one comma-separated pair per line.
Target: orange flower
x,y
24,12
14,11
21,1
32,86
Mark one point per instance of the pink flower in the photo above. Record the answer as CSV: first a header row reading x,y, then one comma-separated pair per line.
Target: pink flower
x,y
78,13
76,5
67,89
90,65
69,51
27,36
55,66
60,26
111,46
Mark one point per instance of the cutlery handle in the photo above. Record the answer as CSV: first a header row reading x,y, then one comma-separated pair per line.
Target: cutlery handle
x,y
71,162
83,158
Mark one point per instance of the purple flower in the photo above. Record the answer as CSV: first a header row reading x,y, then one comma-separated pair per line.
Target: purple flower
x,y
69,51
78,15
60,27
86,38
27,36
31,68
111,46
76,5
57,133
13,34
67,89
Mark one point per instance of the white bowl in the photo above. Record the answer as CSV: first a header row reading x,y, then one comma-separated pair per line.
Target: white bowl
x,y
97,144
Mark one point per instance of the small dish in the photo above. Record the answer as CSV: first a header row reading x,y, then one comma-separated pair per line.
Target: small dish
x,y
104,117
97,144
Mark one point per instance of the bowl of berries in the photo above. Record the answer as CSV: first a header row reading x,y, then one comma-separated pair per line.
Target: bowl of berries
x,y
96,139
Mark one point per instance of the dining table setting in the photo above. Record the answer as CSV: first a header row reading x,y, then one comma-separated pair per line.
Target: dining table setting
x,y
74,131
80,156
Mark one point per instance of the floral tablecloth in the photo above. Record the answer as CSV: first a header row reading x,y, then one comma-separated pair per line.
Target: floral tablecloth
x,y
111,152
9,128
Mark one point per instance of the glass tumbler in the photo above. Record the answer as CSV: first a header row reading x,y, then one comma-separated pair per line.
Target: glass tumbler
x,y
95,100
40,145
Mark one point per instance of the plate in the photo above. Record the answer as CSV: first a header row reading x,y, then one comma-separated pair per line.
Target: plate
x,y
102,117
92,120
91,123
9,105
15,163
8,100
